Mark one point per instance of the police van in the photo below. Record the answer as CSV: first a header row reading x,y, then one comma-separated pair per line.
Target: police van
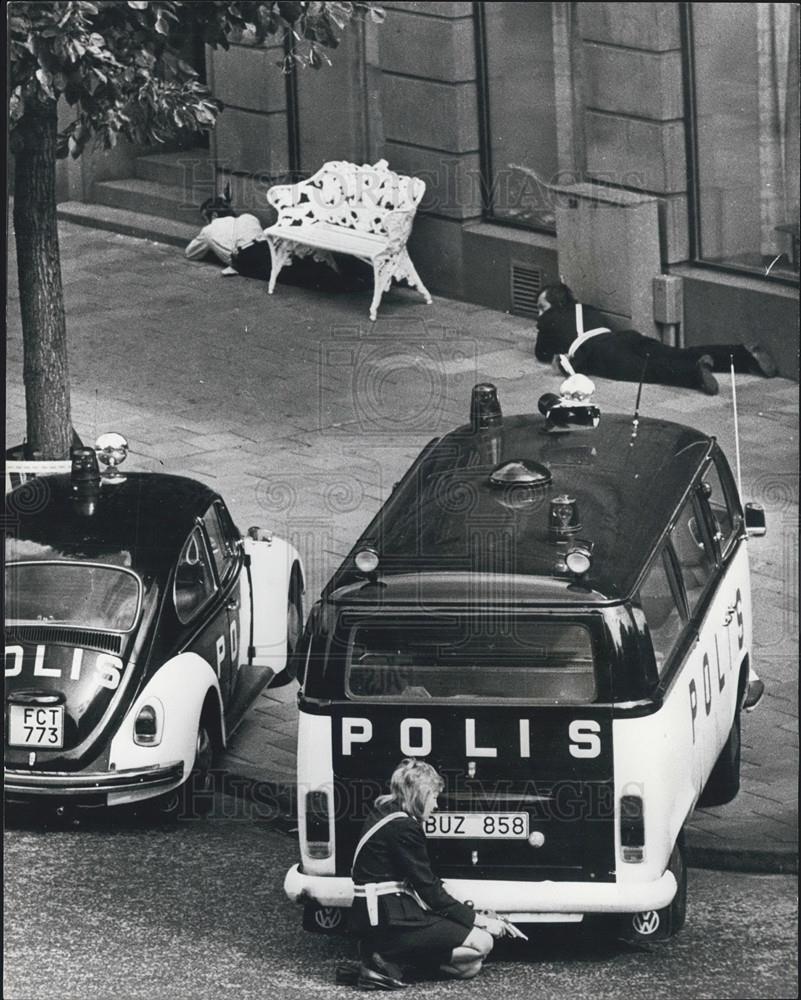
x,y
554,610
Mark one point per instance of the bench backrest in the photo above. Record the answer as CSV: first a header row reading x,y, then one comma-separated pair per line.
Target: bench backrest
x,y
347,195
18,472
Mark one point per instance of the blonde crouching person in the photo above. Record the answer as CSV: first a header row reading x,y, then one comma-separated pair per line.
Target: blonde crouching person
x,y
401,912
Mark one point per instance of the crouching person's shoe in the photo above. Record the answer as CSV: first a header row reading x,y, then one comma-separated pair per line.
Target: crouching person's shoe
x,y
375,973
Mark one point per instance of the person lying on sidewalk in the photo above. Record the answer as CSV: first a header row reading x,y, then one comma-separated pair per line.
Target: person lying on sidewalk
x,y
568,328
236,240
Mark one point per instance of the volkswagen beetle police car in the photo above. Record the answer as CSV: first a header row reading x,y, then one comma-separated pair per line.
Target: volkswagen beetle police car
x,y
139,626
554,610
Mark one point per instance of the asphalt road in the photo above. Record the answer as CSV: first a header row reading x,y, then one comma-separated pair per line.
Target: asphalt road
x,y
132,910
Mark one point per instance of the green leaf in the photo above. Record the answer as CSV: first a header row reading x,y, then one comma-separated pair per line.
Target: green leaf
x,y
45,81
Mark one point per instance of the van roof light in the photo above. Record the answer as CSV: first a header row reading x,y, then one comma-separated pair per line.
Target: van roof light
x,y
520,472
367,559
485,407
578,557
563,516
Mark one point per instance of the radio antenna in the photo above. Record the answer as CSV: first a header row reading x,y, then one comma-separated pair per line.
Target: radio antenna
x,y
635,423
736,426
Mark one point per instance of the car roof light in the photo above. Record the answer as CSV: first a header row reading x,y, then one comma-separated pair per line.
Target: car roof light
x,y
112,450
485,407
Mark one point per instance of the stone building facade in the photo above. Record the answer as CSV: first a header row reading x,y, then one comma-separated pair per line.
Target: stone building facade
x,y
646,152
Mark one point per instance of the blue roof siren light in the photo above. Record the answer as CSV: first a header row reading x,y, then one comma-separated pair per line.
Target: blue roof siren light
x,y
84,480
485,407
112,450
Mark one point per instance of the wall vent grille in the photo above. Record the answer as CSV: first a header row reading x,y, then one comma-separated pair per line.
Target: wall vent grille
x,y
526,282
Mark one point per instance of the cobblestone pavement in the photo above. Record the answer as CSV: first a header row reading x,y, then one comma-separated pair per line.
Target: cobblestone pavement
x,y
303,414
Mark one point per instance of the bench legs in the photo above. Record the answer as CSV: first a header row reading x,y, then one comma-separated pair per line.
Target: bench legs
x,y
399,266
280,255
282,252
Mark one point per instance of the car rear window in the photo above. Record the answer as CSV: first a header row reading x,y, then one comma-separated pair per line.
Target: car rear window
x,y
81,595
470,658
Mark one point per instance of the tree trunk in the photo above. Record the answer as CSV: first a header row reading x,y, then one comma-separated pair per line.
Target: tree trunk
x,y
44,333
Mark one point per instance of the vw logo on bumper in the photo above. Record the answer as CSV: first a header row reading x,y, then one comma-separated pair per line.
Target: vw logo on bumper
x,y
646,923
328,917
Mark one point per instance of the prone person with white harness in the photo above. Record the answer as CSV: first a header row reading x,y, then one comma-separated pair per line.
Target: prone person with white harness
x,y
401,911
570,330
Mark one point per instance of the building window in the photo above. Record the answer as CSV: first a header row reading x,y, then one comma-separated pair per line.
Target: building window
x,y
745,91
519,154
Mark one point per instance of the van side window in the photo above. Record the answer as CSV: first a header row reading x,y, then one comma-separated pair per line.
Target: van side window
x,y
696,562
716,498
665,620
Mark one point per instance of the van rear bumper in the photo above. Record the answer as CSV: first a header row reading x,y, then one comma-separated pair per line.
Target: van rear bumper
x,y
521,900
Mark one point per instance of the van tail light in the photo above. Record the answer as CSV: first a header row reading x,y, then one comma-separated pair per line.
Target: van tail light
x,y
632,828
147,727
318,826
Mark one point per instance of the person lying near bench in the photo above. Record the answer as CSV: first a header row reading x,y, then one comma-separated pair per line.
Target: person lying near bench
x,y
237,241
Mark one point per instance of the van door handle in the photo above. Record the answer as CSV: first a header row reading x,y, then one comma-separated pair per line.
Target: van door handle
x,y
729,614
233,605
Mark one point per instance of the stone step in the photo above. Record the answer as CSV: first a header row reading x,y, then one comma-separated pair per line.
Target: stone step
x,y
133,194
138,224
192,170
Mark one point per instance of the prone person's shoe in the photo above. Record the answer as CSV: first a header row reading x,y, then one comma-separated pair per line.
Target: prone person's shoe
x,y
707,382
753,694
761,361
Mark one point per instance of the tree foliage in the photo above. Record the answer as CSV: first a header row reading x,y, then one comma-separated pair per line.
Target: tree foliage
x,y
117,64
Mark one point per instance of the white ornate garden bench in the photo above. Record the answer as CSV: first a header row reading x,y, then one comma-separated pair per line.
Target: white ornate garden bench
x,y
365,211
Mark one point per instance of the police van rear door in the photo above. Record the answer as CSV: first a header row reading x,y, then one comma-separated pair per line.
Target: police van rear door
x,y
507,707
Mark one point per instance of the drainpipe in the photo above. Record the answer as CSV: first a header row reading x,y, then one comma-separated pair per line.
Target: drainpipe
x,y
668,294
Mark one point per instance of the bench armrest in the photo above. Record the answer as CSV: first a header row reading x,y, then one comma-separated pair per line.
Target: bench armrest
x,y
398,225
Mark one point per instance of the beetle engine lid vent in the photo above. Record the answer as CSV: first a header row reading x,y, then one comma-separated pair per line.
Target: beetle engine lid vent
x,y
526,284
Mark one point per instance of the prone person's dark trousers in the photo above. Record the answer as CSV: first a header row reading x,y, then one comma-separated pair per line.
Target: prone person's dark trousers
x,y
628,356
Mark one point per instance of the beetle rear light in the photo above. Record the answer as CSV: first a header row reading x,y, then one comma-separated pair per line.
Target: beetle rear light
x,y
318,826
632,828
147,728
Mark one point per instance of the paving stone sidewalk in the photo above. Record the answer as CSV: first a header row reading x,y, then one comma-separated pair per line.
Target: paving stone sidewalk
x,y
303,414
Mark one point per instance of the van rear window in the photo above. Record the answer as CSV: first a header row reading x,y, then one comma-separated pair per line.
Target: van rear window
x,y
466,658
